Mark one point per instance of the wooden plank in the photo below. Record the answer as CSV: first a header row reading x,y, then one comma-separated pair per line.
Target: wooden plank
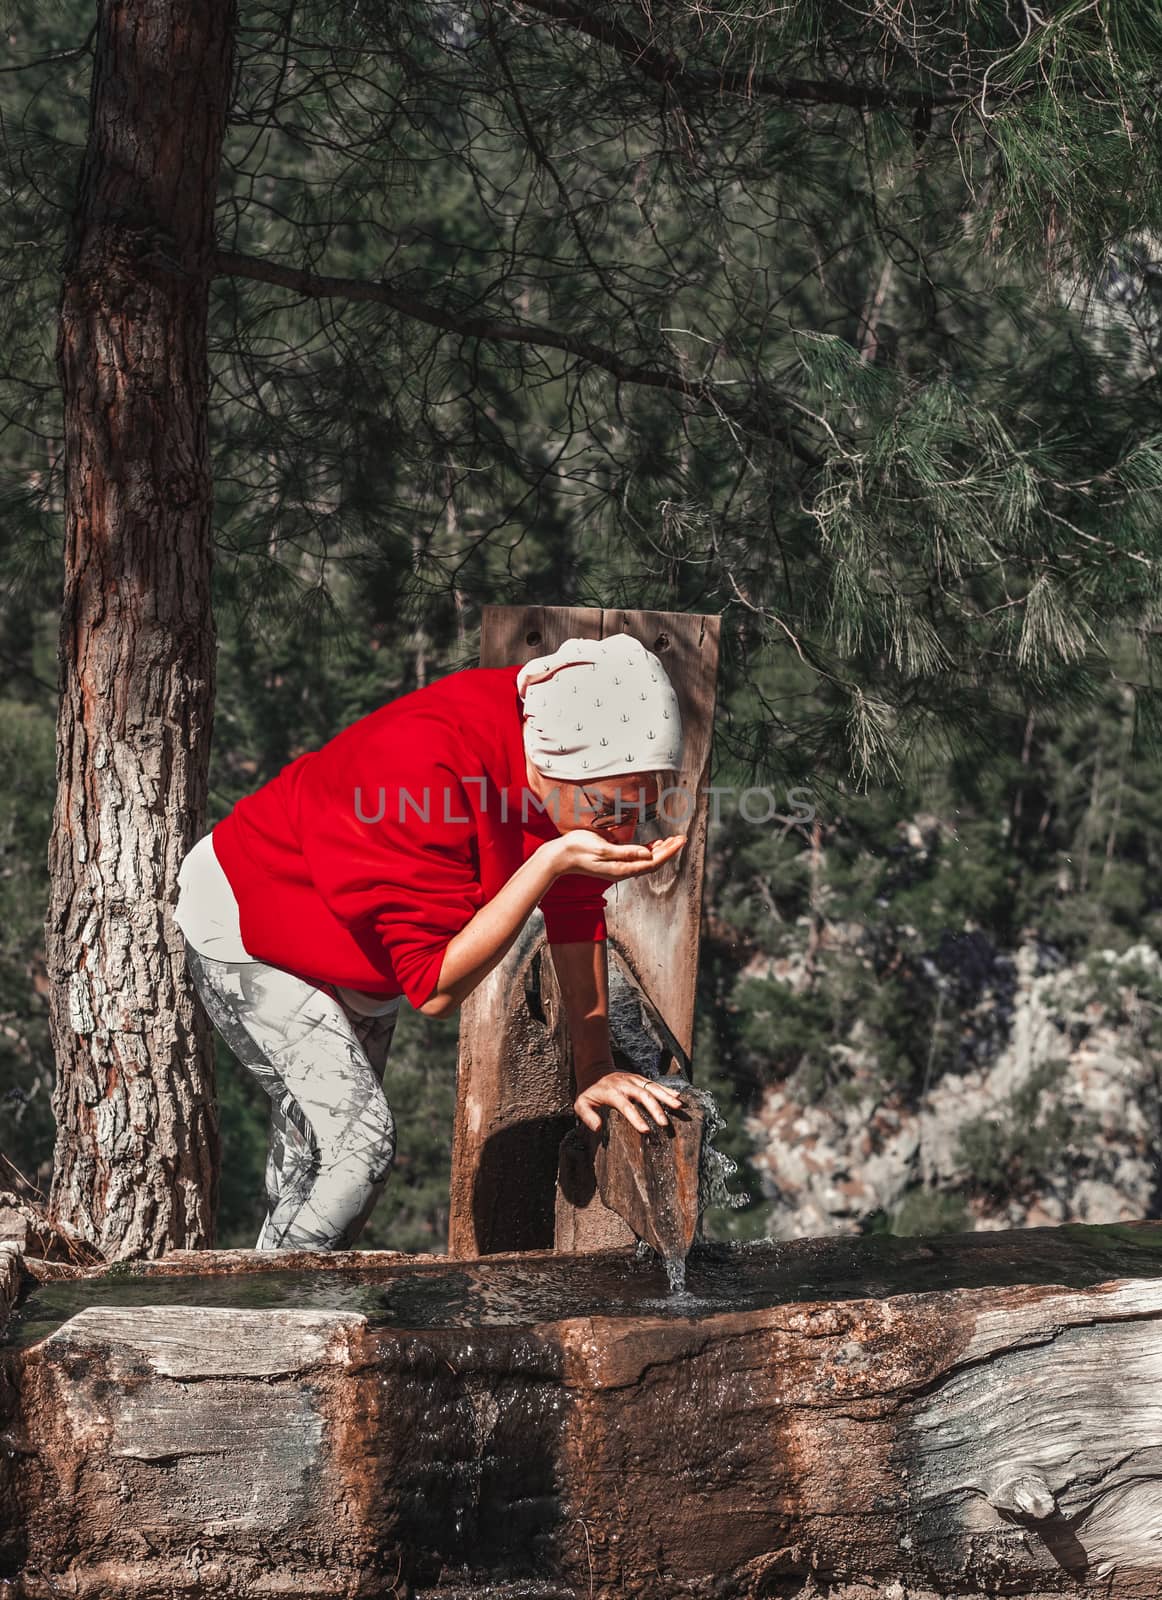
x,y
519,633
654,923
583,1222
513,1104
651,1179
192,1343
514,1090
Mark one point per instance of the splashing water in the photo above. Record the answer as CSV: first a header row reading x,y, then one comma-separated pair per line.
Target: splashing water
x,y
715,1168
641,1035
678,1299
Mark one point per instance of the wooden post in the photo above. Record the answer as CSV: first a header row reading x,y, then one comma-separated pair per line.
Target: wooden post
x,y
514,1086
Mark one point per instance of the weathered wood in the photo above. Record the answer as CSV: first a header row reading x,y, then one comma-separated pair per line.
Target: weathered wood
x,y
11,1280
513,1073
30,1230
14,1222
513,1104
642,1197
583,1221
972,1414
514,1082
651,1179
656,925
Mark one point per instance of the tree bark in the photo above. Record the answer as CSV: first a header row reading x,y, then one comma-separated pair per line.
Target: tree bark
x,y
137,1141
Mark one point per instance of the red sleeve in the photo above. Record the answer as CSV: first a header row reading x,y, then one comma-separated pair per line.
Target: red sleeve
x,y
402,883
574,909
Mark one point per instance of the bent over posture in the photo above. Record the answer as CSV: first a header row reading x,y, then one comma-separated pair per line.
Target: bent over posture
x,y
400,861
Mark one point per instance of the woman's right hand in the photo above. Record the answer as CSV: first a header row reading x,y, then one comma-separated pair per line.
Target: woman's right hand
x,y
584,850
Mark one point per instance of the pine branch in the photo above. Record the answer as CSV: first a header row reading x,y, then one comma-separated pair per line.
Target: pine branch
x,y
229,263
319,287
666,69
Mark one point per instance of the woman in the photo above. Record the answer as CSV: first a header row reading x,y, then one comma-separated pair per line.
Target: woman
x,y
400,860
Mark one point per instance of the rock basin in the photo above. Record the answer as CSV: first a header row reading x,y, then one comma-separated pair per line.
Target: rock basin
x,y
954,1413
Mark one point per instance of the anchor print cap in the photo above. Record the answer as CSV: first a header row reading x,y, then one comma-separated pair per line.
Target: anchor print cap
x,y
598,708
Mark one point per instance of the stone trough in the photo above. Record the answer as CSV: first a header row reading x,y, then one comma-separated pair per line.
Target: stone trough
x,y
965,1414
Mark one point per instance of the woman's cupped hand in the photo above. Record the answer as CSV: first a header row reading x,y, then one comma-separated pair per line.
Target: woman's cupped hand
x,y
584,850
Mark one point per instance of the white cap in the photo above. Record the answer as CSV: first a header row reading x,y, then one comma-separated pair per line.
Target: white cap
x,y
597,708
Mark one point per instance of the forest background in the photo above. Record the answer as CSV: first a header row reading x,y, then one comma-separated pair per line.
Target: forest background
x,y
931,530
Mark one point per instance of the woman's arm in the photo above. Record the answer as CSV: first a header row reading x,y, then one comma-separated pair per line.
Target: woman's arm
x,y
583,973
483,943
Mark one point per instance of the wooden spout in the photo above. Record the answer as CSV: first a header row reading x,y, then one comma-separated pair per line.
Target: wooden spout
x,y
648,1180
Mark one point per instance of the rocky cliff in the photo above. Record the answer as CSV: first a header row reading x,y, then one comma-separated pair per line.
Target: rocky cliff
x,y
1052,1116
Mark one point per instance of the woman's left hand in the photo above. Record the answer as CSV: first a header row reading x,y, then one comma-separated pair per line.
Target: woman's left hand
x,y
626,1091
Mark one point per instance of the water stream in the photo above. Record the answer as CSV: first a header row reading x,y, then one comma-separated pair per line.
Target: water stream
x,y
715,1169
641,1034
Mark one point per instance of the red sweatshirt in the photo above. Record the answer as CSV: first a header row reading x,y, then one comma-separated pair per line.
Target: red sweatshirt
x,y
346,872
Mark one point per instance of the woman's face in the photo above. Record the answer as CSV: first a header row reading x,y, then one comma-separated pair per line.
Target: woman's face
x,y
567,805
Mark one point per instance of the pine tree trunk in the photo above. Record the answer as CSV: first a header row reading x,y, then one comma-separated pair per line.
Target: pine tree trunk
x,y
137,1138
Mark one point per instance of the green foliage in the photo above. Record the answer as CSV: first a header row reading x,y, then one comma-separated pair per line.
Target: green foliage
x,y
922,1211
243,1125
27,766
1007,1150
420,1082
901,430
880,421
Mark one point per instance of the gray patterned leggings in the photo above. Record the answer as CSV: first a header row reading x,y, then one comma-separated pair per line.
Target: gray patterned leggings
x,y
332,1134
